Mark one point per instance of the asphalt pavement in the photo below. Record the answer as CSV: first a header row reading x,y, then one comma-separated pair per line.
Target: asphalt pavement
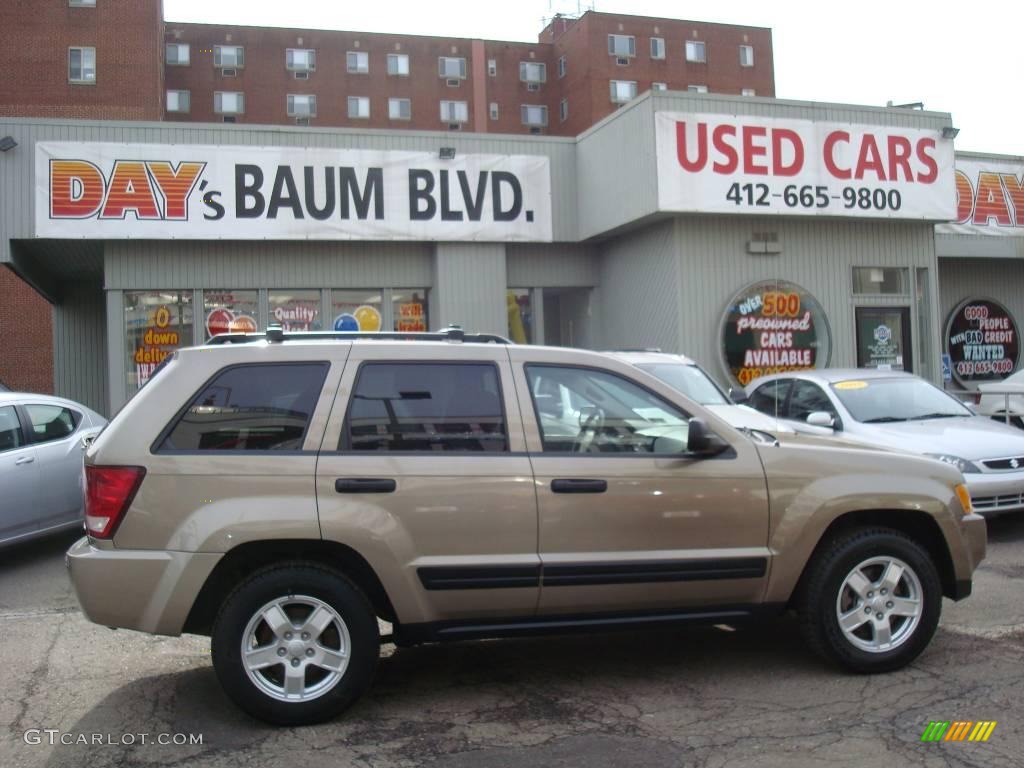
x,y
78,694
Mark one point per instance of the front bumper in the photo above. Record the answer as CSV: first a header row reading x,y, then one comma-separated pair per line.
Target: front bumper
x,y
148,590
993,492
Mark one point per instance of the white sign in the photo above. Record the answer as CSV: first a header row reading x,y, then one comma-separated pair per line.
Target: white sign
x,y
989,198
159,191
757,165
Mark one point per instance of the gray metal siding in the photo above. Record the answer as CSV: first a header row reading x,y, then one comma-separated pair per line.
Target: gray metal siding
x,y
979,246
146,264
469,287
80,346
555,265
999,279
639,293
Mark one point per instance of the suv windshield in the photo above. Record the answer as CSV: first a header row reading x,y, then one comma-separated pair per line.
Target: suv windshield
x,y
902,399
688,379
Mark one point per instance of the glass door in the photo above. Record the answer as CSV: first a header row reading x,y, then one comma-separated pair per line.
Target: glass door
x,y
883,338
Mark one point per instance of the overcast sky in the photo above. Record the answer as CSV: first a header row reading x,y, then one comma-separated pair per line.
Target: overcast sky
x,y
963,58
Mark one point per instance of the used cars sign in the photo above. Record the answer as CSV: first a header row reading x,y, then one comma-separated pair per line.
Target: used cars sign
x,y
109,191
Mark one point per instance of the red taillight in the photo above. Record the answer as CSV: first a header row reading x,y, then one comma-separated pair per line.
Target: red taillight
x,y
108,493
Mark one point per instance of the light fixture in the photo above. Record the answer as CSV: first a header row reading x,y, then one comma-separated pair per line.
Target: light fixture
x,y
949,132
447,153
7,143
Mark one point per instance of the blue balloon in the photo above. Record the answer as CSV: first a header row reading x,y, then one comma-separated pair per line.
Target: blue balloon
x,y
346,322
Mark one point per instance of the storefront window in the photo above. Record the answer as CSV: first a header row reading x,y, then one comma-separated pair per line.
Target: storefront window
x,y
520,315
229,311
409,307
356,310
883,338
295,310
156,323
774,327
880,280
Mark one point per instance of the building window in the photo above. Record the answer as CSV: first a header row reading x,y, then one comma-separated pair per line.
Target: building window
x,y
228,56
657,48
301,105
746,55
621,45
623,90
563,110
492,67
409,307
880,280
228,311
454,407
493,110
82,3
399,109
659,87
563,65
748,92
359,107
449,67
179,101
530,72
358,61
533,114
355,310
300,59
251,408
82,65
697,88
454,112
295,310
398,64
155,323
228,102
177,54
696,51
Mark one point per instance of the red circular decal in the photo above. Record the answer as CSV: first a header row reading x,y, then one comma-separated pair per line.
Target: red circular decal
x,y
219,321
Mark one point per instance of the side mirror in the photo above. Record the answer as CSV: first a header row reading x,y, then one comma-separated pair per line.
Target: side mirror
x,y
701,441
821,419
738,396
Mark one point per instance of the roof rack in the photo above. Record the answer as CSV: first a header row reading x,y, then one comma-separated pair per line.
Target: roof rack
x,y
275,334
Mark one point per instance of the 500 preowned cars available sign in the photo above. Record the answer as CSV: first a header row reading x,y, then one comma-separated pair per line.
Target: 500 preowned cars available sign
x,y
110,191
759,165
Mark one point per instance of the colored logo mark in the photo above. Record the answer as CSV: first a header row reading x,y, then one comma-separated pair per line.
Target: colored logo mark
x,y
958,730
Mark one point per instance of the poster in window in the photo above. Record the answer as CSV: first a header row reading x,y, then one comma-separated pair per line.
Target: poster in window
x,y
982,341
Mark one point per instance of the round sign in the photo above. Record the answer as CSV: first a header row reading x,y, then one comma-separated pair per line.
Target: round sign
x,y
982,341
219,321
346,321
243,324
773,327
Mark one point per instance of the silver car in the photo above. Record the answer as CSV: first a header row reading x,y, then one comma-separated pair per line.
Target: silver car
x,y
42,440
899,411
1004,400
684,375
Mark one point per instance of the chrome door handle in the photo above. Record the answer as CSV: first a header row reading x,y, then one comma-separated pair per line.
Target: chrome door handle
x,y
24,460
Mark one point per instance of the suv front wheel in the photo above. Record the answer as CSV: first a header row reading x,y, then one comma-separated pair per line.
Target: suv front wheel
x,y
871,600
295,644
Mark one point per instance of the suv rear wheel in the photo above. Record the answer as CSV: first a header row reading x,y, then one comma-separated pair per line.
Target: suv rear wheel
x,y
295,644
871,601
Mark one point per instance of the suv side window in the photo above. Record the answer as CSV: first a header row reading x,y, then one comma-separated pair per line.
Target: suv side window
x,y
770,397
10,429
808,398
250,408
428,407
583,410
52,422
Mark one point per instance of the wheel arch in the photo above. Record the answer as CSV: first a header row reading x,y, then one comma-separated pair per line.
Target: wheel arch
x,y
245,559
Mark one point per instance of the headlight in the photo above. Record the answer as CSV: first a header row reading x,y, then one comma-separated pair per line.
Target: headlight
x,y
962,464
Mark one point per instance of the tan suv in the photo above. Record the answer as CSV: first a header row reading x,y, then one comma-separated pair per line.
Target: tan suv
x,y
282,494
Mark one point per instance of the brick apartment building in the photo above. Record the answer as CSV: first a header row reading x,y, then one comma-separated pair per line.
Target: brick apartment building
x,y
119,60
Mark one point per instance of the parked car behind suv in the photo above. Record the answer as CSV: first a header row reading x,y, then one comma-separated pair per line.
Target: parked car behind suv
x,y
282,494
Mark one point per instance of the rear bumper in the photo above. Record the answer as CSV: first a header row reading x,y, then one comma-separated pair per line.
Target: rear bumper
x,y
993,492
148,590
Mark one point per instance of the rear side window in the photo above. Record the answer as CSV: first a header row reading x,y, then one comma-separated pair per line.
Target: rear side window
x,y
428,407
52,422
250,408
770,397
10,429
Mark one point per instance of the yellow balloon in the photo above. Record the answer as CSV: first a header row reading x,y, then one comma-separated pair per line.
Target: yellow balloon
x,y
368,318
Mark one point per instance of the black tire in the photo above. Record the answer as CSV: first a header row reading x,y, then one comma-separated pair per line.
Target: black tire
x,y
281,581
817,601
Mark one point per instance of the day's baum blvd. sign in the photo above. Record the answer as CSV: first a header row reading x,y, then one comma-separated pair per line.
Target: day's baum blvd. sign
x,y
155,191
